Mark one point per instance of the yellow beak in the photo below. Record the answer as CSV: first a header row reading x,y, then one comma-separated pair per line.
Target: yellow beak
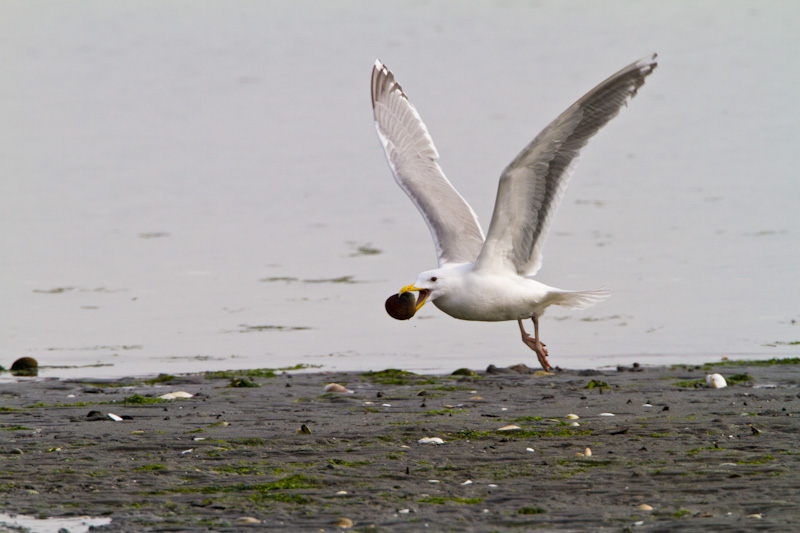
x,y
423,294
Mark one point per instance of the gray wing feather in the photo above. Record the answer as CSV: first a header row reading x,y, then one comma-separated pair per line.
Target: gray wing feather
x,y
412,157
532,186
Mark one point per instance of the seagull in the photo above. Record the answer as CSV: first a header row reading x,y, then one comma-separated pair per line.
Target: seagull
x,y
491,278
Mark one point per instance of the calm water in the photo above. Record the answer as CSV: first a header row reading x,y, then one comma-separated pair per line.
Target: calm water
x,y
189,186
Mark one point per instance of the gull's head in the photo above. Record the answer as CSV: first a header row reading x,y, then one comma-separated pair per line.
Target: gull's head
x,y
404,304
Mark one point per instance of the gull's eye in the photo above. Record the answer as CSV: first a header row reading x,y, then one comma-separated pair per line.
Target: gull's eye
x,y
433,278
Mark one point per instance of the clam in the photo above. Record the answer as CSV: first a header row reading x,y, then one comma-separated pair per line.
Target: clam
x,y
401,306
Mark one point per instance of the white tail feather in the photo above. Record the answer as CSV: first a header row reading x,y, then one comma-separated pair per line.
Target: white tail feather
x,y
580,299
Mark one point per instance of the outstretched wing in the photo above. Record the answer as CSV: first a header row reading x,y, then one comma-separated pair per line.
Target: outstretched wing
x,y
532,186
412,157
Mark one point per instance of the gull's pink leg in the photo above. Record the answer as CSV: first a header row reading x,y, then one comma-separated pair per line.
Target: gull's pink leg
x,y
534,343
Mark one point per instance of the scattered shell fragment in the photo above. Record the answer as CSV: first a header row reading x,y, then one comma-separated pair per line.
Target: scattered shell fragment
x,y
304,430
510,427
467,482
344,523
574,424
587,452
335,387
404,511
386,405
529,450
177,395
492,485
190,450
477,398
341,493
606,414
114,417
430,440
644,507
246,520
572,416
754,515
716,381
434,481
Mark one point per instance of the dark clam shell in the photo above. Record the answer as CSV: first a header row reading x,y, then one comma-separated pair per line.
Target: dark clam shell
x,y
401,306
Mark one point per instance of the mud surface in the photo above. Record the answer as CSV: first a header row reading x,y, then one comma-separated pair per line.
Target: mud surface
x,y
712,459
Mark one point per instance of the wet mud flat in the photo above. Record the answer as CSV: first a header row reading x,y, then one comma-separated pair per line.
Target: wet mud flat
x,y
263,450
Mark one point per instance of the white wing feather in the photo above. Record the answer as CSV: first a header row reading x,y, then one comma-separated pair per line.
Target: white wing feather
x,y
532,186
412,157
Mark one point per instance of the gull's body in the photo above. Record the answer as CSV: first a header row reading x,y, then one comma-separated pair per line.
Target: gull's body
x,y
490,279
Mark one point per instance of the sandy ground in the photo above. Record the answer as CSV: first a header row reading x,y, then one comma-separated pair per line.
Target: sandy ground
x,y
675,456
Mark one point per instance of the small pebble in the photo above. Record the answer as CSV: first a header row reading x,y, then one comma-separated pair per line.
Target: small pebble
x,y
644,507
587,452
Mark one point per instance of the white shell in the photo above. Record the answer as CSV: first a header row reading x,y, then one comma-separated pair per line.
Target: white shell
x,y
178,395
572,416
716,381
510,427
467,482
644,507
606,414
245,520
587,452
114,417
335,387
430,440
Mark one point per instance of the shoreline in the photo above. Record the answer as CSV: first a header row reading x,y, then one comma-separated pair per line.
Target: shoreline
x,y
717,459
